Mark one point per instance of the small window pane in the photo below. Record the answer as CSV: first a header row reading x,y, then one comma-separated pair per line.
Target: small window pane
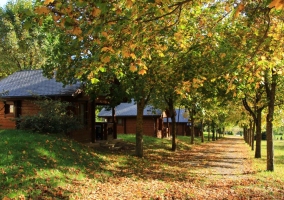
x,y
11,109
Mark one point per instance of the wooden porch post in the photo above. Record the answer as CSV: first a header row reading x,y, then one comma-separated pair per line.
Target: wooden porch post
x,y
114,124
93,121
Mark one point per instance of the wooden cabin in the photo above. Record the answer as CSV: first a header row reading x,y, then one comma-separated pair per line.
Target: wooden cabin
x,y
18,96
126,113
183,125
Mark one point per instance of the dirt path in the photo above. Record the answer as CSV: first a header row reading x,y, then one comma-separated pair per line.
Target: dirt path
x,y
220,169
227,158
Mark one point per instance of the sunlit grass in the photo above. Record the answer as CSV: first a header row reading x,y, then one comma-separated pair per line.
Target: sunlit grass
x,y
260,164
32,163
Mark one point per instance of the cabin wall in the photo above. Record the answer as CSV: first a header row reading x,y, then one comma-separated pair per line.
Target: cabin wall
x,y
6,120
127,125
24,108
28,107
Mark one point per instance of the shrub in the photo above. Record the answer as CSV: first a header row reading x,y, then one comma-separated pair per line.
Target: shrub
x,y
54,116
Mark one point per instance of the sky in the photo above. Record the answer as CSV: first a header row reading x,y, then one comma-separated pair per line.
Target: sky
x,y
3,2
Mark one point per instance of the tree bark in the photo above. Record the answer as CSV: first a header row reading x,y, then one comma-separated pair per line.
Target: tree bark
x,y
252,135
258,135
213,131
172,114
139,128
208,129
270,94
256,114
202,135
192,126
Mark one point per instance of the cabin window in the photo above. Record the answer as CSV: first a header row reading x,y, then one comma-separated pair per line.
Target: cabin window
x,y
120,121
9,107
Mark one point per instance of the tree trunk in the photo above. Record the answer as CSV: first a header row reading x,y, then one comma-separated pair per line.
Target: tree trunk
x,y
208,129
270,93
172,114
213,131
252,135
192,126
245,134
258,134
202,135
139,128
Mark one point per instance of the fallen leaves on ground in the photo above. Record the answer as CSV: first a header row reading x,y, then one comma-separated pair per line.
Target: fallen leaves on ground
x,y
217,170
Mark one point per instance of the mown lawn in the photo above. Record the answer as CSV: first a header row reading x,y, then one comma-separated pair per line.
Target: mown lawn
x,y
260,163
37,166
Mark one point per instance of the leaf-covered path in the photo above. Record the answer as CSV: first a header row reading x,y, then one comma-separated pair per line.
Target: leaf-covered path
x,y
220,169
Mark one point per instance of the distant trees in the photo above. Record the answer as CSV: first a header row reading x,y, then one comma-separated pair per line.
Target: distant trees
x,y
23,43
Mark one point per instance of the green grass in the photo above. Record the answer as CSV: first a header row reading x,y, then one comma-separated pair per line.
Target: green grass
x,y
31,163
259,164
183,142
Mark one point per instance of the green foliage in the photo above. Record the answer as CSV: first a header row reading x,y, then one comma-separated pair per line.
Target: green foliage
x,y
22,40
33,165
54,117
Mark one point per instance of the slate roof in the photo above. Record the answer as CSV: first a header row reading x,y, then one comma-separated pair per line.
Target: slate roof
x,y
179,117
129,109
32,82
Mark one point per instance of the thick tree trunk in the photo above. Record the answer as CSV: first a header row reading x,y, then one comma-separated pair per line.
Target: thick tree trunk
x,y
270,93
172,114
256,114
139,128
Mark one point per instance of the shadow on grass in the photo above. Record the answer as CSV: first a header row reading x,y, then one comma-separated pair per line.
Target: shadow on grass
x,y
36,165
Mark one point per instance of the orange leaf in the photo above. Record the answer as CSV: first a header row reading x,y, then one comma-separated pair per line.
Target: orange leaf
x,y
129,3
132,67
46,2
133,56
142,72
42,10
105,59
77,31
96,12
227,8
107,49
104,34
278,4
125,53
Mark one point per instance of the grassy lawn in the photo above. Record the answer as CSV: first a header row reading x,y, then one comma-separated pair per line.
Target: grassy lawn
x,y
260,163
35,165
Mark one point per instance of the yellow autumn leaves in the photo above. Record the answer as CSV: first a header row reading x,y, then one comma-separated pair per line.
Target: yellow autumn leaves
x,y
277,4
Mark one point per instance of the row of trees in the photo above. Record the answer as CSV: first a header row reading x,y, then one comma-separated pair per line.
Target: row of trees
x,y
221,60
